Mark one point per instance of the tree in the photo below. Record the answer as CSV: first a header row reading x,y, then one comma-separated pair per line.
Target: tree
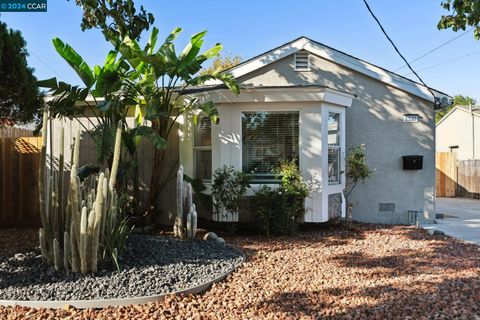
x,y
462,13
110,88
161,83
20,99
222,63
458,100
357,171
116,18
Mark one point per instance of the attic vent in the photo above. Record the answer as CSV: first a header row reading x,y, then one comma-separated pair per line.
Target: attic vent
x,y
302,61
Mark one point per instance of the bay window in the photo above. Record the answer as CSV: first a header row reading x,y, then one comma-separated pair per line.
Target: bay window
x,y
267,139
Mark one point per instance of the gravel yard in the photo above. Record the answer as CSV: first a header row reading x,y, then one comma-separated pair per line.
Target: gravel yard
x,y
151,265
370,272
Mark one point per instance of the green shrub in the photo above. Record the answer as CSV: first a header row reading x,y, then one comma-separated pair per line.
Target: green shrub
x,y
228,187
279,211
266,205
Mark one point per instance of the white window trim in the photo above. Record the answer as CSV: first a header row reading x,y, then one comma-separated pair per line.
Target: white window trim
x,y
260,182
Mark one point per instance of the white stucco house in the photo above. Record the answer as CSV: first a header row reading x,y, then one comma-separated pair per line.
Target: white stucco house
x,y
306,101
459,131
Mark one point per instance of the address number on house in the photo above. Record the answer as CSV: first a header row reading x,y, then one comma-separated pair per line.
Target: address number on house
x,y
23,6
411,117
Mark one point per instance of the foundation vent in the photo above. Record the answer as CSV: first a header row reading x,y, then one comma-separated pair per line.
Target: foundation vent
x,y
387,207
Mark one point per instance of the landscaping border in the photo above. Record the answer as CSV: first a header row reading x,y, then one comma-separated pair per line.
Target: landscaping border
x,y
103,303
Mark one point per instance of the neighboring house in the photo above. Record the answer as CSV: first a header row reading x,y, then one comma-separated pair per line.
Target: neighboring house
x,y
307,102
459,132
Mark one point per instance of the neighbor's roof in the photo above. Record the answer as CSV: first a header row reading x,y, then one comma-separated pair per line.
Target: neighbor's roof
x,y
338,57
475,111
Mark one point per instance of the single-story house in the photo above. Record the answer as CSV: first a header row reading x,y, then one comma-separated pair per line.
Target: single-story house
x,y
308,102
459,132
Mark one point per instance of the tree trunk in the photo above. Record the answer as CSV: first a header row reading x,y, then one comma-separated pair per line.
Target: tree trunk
x,y
156,183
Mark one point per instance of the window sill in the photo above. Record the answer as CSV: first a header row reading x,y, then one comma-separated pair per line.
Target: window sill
x,y
334,183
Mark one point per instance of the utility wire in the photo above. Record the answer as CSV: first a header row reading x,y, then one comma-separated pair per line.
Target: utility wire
x,y
398,51
445,62
42,61
434,49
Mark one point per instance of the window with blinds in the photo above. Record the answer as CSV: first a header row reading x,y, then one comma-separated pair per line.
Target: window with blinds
x,y
267,139
333,148
302,61
202,148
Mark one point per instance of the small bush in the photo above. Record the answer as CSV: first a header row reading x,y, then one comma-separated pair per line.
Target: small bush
x,y
266,205
280,211
228,187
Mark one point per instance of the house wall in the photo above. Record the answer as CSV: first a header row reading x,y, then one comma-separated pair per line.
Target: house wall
x,y
375,119
456,130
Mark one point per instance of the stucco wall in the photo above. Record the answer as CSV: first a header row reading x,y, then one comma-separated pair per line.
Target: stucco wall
x,y
456,130
375,119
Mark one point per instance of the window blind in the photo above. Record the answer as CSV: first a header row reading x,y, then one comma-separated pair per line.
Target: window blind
x,y
333,148
203,132
267,139
202,148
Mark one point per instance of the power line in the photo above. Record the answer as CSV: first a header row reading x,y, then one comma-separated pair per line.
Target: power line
x,y
396,49
435,49
445,62
43,62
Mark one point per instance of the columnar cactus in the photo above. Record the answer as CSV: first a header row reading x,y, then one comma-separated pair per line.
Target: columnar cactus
x,y
178,227
192,222
71,236
186,219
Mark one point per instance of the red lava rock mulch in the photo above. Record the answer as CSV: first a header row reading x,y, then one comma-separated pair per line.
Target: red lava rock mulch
x,y
369,272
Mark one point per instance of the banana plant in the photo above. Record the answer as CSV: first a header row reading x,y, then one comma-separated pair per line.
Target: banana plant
x,y
155,79
161,77
106,98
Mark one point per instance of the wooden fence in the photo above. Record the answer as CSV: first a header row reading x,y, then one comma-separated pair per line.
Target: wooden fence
x,y
19,161
456,178
468,179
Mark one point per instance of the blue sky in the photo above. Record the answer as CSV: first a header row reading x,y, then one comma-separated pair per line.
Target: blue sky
x,y
251,27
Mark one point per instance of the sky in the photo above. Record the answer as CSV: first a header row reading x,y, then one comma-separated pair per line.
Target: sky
x,y
248,28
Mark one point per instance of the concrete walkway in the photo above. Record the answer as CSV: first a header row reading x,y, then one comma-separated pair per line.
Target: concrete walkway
x,y
461,218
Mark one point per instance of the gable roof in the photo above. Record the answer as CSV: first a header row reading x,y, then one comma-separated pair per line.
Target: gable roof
x,y
475,112
338,57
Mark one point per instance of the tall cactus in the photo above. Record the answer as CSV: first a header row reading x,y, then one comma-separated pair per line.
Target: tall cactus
x,y
71,237
186,219
178,228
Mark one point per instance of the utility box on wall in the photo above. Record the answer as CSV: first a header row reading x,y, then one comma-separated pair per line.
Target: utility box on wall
x,y
412,162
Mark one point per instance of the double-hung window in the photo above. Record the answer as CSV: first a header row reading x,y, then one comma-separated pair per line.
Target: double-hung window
x,y
334,150
202,148
267,139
